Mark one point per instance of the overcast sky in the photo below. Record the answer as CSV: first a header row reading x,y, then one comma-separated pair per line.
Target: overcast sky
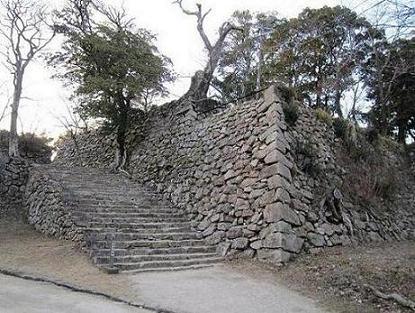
x,y
46,99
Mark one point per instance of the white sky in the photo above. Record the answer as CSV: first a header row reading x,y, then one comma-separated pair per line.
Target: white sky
x,y
178,39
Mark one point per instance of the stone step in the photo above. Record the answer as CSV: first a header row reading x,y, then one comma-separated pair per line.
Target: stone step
x,y
133,214
180,235
166,264
122,219
90,180
121,210
137,226
154,258
103,193
155,251
124,202
112,230
154,244
169,269
144,231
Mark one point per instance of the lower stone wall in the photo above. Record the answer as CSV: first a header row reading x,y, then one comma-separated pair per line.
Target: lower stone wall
x,y
13,178
46,212
241,177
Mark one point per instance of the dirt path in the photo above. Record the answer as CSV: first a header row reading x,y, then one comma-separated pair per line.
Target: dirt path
x,y
22,249
20,295
335,277
217,289
220,289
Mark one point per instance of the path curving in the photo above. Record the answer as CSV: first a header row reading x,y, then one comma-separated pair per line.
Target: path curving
x,y
19,295
220,289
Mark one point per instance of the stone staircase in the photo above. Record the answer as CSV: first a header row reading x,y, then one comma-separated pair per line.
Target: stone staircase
x,y
129,227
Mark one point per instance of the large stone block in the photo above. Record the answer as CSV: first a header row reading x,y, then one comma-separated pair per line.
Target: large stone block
x,y
316,240
277,181
273,255
278,211
240,243
287,242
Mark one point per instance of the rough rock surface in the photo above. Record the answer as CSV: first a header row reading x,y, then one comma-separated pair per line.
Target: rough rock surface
x,y
13,178
239,176
120,223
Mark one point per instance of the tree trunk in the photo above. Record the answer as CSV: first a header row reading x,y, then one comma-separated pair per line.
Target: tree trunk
x,y
122,127
259,71
401,131
201,79
337,105
14,139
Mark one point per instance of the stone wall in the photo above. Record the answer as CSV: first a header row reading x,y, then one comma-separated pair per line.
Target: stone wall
x,y
246,180
44,203
330,216
13,177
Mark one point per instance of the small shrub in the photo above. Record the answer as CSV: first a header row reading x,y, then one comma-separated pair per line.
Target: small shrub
x,y
306,148
324,116
31,146
308,163
340,127
386,186
290,112
389,144
360,152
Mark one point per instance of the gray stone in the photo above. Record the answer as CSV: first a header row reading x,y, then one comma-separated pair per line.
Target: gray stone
x,y
288,242
209,231
203,225
256,244
234,232
240,243
276,212
215,238
277,182
316,240
282,195
230,174
273,255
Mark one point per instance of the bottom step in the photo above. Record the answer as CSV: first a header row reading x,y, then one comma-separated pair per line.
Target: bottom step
x,y
124,266
168,269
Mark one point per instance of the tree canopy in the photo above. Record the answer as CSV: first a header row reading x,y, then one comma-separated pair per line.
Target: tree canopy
x,y
112,65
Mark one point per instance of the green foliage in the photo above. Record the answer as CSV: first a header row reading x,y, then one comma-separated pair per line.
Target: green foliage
x,y
242,55
324,116
389,74
309,157
340,127
319,53
306,148
114,67
291,112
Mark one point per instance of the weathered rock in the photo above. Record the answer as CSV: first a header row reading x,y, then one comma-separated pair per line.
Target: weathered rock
x,y
240,243
288,242
316,240
274,255
279,211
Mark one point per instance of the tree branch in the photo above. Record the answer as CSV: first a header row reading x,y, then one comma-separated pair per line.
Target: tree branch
x,y
200,19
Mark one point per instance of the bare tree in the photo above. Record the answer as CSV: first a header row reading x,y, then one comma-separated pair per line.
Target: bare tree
x,y
76,16
3,112
23,26
5,106
397,17
201,80
74,124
